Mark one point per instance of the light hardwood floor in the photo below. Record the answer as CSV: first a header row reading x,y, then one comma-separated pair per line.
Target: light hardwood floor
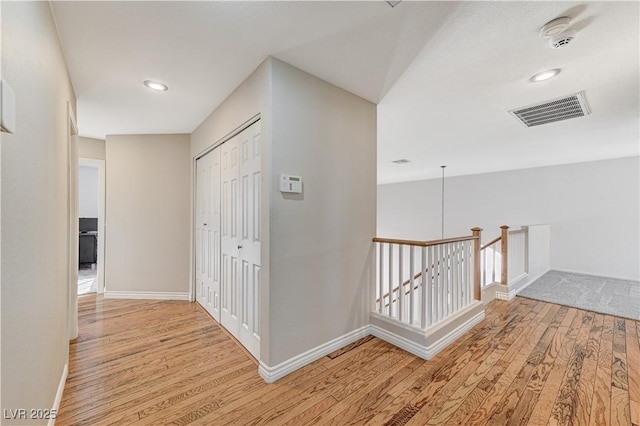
x,y
528,362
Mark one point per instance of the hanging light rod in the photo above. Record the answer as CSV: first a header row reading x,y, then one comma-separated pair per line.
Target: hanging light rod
x,y
442,214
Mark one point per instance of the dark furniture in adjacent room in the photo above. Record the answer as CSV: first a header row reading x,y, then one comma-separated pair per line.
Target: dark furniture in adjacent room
x,y
88,240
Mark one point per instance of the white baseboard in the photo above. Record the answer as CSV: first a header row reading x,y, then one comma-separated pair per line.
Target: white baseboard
x,y
150,295
524,281
58,398
271,374
516,280
399,341
429,351
594,275
501,295
443,342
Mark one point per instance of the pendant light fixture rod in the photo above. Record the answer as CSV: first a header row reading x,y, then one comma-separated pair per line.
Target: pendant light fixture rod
x,y
442,214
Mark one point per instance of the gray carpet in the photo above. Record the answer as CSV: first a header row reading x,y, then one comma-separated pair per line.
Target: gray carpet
x,y
605,295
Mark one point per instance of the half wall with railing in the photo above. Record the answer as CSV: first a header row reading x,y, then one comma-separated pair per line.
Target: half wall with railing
x,y
423,285
429,293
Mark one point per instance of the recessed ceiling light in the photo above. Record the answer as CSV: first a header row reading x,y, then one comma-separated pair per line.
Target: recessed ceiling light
x,y
401,161
544,75
155,85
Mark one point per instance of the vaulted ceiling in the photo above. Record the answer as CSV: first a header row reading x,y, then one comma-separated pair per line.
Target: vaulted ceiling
x,y
444,74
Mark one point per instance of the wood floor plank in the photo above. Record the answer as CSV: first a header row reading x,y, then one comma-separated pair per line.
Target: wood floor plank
x,y
566,403
567,332
586,383
500,318
140,362
360,360
511,363
620,403
361,406
516,407
633,363
601,400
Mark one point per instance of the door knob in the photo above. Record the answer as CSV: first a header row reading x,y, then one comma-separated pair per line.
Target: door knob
x,y
205,224
239,247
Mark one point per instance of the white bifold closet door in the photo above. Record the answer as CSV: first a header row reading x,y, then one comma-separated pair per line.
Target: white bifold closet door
x,y
208,232
235,256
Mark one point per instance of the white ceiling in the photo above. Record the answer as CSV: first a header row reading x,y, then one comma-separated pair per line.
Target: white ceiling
x,y
444,74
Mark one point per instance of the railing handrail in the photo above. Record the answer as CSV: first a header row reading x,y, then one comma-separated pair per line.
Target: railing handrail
x,y
423,243
492,242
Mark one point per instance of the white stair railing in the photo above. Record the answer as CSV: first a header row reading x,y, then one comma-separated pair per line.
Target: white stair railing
x,y
491,261
504,259
420,283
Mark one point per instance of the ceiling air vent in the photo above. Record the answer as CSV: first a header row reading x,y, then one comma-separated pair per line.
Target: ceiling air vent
x,y
564,108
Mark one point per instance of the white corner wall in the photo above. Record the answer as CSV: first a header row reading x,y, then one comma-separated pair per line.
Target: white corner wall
x,y
592,210
315,247
34,310
147,216
320,240
88,191
248,100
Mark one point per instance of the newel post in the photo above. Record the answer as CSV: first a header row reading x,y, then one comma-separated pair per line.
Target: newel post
x,y
504,251
477,292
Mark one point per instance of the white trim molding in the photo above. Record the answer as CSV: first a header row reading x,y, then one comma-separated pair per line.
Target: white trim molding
x,y
589,274
271,374
399,341
517,287
58,398
428,351
148,295
502,295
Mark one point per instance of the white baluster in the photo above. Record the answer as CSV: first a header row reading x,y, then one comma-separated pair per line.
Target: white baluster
x,y
430,285
390,282
381,278
412,268
400,281
424,290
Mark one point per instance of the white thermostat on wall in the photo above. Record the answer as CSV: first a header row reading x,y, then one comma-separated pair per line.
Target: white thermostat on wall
x,y
291,184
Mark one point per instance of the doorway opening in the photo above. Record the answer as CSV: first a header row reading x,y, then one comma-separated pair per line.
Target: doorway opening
x,y
90,226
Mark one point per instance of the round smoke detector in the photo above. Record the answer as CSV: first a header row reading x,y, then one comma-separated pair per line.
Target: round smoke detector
x,y
555,27
562,39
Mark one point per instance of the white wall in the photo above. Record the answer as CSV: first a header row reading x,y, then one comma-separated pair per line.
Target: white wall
x,y
88,191
321,240
34,217
91,148
592,209
147,214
